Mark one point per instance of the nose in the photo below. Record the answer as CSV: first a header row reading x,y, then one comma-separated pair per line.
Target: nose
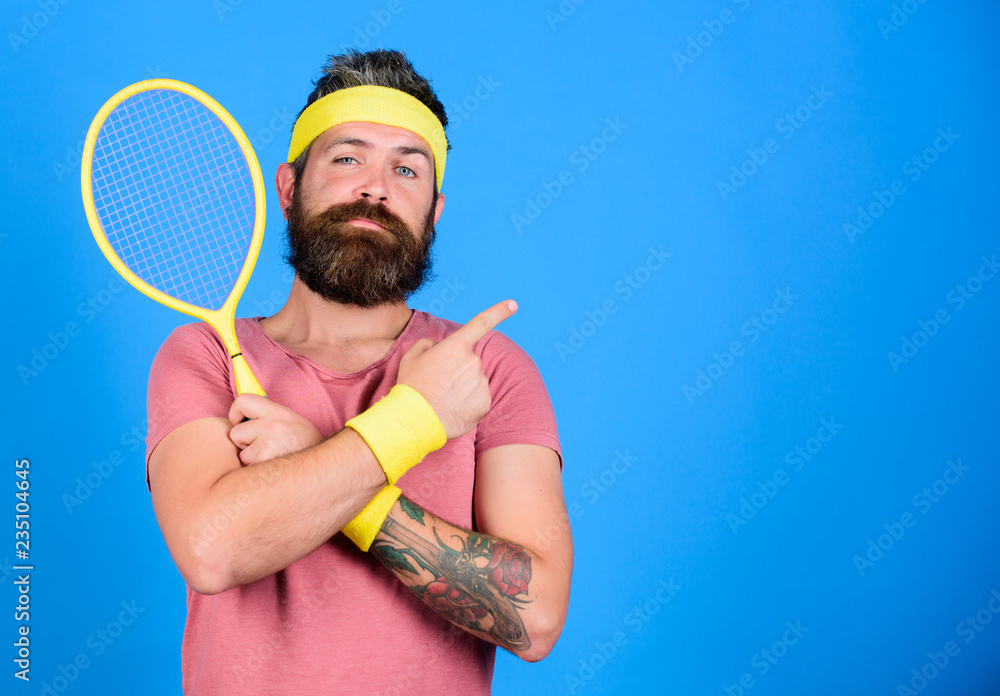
x,y
374,185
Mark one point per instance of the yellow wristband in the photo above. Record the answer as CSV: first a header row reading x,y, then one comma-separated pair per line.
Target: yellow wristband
x,y
401,429
363,529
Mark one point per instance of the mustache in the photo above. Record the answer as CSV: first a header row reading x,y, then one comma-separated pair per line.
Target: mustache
x,y
366,270
361,210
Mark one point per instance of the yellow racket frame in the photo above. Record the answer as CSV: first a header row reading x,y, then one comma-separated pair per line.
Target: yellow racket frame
x,y
222,320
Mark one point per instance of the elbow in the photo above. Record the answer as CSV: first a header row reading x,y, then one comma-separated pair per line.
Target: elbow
x,y
548,618
536,653
204,583
202,566
543,638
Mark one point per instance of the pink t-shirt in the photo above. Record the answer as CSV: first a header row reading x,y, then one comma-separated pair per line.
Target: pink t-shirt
x,y
336,621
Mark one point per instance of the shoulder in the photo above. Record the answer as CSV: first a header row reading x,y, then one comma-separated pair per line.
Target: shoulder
x,y
194,348
194,343
200,338
429,326
193,334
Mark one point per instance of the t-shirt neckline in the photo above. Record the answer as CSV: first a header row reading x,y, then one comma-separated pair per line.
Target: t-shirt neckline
x,y
333,373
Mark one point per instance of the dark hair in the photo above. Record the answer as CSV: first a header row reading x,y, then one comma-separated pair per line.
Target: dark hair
x,y
382,68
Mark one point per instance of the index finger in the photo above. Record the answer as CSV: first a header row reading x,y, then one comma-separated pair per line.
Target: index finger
x,y
483,322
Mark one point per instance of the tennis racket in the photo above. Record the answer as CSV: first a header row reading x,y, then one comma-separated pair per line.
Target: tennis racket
x,y
175,199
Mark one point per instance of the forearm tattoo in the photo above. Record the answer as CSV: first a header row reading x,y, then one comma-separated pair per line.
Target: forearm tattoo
x,y
482,587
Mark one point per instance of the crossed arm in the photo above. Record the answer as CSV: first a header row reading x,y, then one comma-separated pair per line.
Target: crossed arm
x,y
507,583
282,490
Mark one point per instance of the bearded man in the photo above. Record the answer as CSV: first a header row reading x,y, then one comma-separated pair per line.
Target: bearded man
x,y
393,510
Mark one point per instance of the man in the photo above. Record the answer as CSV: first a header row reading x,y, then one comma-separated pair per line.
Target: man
x,y
431,445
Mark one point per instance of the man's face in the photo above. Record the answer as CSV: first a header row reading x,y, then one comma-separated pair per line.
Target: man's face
x,y
361,217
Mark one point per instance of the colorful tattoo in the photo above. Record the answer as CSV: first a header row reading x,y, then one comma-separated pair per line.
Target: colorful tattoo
x,y
478,587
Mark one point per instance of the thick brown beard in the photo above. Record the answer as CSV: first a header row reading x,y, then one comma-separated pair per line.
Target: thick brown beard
x,y
355,265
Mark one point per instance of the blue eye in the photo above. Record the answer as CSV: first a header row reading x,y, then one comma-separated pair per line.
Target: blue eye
x,y
406,171
345,157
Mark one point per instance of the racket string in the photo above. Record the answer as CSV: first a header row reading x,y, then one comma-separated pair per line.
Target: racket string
x,y
175,196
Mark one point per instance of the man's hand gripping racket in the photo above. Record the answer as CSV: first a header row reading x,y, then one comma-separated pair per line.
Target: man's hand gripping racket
x,y
175,199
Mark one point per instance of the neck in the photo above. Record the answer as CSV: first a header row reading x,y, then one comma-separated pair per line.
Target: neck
x,y
308,319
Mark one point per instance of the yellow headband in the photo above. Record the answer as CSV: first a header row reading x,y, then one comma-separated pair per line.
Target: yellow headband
x,y
384,105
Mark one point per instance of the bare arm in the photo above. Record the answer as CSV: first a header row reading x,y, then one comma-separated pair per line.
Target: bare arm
x,y
494,586
227,525
238,501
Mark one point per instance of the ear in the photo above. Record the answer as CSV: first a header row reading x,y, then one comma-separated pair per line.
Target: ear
x,y
284,181
438,207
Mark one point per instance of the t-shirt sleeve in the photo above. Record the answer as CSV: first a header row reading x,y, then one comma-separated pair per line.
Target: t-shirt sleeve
x,y
191,378
521,412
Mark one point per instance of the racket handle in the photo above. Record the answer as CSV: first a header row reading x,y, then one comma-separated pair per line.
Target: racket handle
x,y
246,383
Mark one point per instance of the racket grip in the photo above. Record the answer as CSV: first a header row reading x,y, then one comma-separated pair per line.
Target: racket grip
x,y
246,383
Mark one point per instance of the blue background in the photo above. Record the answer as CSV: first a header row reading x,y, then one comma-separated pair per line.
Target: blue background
x,y
551,206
